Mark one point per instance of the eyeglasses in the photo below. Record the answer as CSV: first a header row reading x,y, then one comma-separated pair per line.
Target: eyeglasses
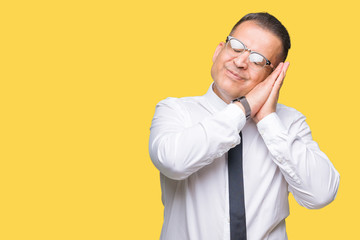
x,y
256,60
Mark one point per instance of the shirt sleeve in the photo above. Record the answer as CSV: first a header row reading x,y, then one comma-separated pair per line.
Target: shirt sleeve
x,y
179,148
311,177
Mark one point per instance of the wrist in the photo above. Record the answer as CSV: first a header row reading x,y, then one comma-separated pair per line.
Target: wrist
x,y
245,106
261,115
240,106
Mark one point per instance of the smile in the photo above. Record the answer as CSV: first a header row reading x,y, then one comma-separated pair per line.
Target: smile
x,y
233,75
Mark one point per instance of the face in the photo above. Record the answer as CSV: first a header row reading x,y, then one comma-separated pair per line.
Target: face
x,y
232,76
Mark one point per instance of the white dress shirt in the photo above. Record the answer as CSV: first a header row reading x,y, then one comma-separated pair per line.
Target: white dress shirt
x,y
189,141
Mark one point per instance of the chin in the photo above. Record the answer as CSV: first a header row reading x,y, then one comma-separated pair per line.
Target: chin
x,y
227,92
234,90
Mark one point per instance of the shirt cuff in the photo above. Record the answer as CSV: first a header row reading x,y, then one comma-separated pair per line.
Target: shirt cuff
x,y
270,126
237,114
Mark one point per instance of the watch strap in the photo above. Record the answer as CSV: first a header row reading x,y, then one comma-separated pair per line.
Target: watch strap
x,y
245,104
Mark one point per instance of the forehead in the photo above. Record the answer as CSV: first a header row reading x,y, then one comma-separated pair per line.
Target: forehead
x,y
259,40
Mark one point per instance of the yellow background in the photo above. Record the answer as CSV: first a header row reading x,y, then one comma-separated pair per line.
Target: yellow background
x,y
79,85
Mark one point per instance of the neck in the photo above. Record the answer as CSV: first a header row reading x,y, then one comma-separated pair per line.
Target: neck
x,y
221,95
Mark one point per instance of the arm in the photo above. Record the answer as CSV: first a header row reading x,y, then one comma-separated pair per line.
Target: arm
x,y
178,148
312,178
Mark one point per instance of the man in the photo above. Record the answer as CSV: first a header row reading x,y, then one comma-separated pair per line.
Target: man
x,y
193,142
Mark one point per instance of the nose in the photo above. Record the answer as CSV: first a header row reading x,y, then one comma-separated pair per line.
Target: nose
x,y
241,61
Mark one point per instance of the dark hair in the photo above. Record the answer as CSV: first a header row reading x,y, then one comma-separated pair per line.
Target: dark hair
x,y
271,23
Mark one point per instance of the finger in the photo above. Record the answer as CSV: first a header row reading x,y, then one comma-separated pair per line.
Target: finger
x,y
275,74
280,80
278,68
284,70
277,71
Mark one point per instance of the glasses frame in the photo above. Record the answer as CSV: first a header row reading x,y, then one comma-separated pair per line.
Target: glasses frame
x,y
268,63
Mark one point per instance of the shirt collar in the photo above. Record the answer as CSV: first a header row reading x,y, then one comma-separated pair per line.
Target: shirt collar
x,y
214,99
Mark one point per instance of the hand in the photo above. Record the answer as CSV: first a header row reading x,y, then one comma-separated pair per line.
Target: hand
x,y
271,102
264,96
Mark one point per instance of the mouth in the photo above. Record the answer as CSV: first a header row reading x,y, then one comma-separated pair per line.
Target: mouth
x,y
234,75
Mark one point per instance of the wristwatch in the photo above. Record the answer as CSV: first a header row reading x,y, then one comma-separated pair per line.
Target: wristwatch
x,y
245,104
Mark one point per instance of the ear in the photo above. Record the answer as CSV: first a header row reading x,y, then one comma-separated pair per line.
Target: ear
x,y
218,49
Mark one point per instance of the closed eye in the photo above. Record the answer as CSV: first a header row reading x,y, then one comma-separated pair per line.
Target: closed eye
x,y
238,50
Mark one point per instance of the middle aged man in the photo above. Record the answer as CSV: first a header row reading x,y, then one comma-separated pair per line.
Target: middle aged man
x,y
217,184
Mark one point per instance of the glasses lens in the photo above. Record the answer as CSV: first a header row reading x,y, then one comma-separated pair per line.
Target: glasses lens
x,y
236,45
257,60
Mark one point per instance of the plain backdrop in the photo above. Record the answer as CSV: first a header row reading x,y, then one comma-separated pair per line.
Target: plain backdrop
x,y
79,82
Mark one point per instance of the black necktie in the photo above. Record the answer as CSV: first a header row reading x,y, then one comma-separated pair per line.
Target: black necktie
x,y
236,193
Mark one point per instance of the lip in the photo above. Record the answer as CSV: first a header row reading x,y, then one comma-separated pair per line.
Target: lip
x,y
233,75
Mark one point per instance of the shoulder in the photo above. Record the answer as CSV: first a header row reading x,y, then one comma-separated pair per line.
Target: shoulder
x,y
288,114
183,102
283,109
177,109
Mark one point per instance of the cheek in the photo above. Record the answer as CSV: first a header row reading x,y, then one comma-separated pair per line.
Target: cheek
x,y
254,79
213,72
216,70
257,77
